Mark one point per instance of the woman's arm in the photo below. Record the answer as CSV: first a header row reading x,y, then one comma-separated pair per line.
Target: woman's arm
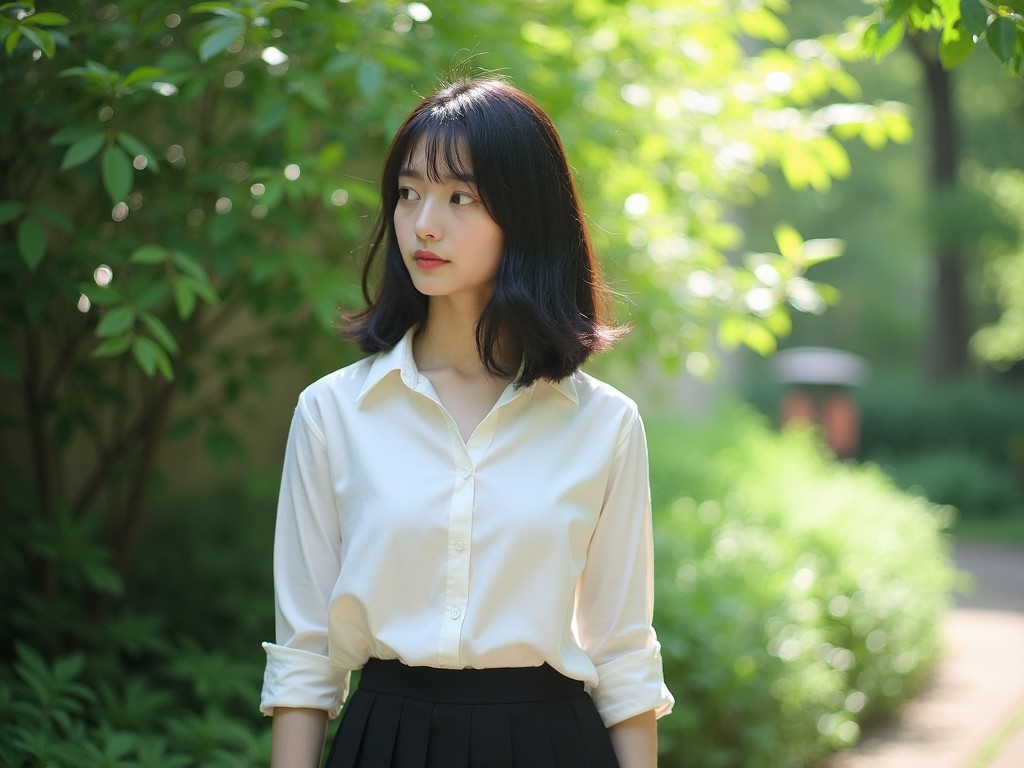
x,y
297,737
635,741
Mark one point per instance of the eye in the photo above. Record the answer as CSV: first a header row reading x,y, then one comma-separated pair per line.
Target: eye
x,y
461,198
407,193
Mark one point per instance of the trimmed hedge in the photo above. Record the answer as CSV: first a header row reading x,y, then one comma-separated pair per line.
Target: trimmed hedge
x,y
796,596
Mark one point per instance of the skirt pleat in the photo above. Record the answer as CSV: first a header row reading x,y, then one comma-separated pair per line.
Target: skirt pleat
x,y
450,727
490,742
567,747
381,731
596,742
413,739
417,717
531,744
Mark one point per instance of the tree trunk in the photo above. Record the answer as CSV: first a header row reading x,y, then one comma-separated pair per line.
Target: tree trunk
x,y
949,328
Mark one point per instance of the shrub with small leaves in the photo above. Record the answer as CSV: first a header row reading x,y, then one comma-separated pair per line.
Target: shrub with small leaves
x,y
795,595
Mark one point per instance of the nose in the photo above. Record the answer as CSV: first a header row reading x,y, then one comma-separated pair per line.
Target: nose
x,y
428,225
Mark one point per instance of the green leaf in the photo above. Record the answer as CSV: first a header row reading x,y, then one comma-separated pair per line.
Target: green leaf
x,y
160,332
117,321
790,243
1002,38
82,150
146,353
220,9
117,173
72,133
10,210
975,16
31,242
142,74
48,19
151,296
221,36
148,254
953,53
12,41
184,298
881,39
189,266
759,338
821,249
112,347
42,39
897,8
135,146
275,5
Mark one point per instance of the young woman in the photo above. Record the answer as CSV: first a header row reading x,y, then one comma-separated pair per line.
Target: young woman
x,y
464,515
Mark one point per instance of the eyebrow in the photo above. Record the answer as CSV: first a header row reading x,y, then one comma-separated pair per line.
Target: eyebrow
x,y
415,173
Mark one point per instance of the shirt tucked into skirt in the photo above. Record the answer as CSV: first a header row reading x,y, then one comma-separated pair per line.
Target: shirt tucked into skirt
x,y
423,717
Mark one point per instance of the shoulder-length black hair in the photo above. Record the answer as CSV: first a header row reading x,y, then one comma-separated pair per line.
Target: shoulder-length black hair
x,y
549,296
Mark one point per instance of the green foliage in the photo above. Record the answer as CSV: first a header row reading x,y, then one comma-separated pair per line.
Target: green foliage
x,y
180,192
796,596
973,484
961,443
1002,343
961,24
171,689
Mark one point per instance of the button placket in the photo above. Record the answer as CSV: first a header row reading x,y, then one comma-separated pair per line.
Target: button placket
x,y
460,523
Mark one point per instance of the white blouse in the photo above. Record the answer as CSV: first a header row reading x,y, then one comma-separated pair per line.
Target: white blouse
x,y
529,543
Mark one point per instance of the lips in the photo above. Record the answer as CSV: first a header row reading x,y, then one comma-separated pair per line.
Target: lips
x,y
428,259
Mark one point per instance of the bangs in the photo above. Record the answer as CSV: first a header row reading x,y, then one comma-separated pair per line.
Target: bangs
x,y
442,137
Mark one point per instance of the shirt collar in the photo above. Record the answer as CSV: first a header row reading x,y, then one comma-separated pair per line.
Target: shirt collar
x,y
399,358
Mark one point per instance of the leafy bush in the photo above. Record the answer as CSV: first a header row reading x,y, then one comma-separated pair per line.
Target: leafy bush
x,y
167,678
960,443
904,416
796,596
976,486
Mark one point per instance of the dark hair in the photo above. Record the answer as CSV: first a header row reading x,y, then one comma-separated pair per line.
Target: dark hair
x,y
548,294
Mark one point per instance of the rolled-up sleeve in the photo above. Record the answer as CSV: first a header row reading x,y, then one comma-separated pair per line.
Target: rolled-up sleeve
x,y
307,560
615,598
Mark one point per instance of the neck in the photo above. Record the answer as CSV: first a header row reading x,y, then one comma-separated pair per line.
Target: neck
x,y
447,339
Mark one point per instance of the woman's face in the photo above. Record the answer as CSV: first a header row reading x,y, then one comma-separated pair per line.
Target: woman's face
x,y
449,242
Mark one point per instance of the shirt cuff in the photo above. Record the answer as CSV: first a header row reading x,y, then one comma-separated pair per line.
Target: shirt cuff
x,y
297,678
631,685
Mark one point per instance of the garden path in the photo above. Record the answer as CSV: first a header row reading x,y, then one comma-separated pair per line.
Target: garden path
x,y
971,713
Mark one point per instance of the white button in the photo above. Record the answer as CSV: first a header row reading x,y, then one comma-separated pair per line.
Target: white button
x,y
459,544
466,472
454,613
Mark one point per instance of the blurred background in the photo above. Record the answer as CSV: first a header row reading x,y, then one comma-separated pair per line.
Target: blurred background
x,y
809,214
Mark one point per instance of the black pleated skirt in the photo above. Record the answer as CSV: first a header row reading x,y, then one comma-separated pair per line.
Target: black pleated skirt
x,y
421,717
